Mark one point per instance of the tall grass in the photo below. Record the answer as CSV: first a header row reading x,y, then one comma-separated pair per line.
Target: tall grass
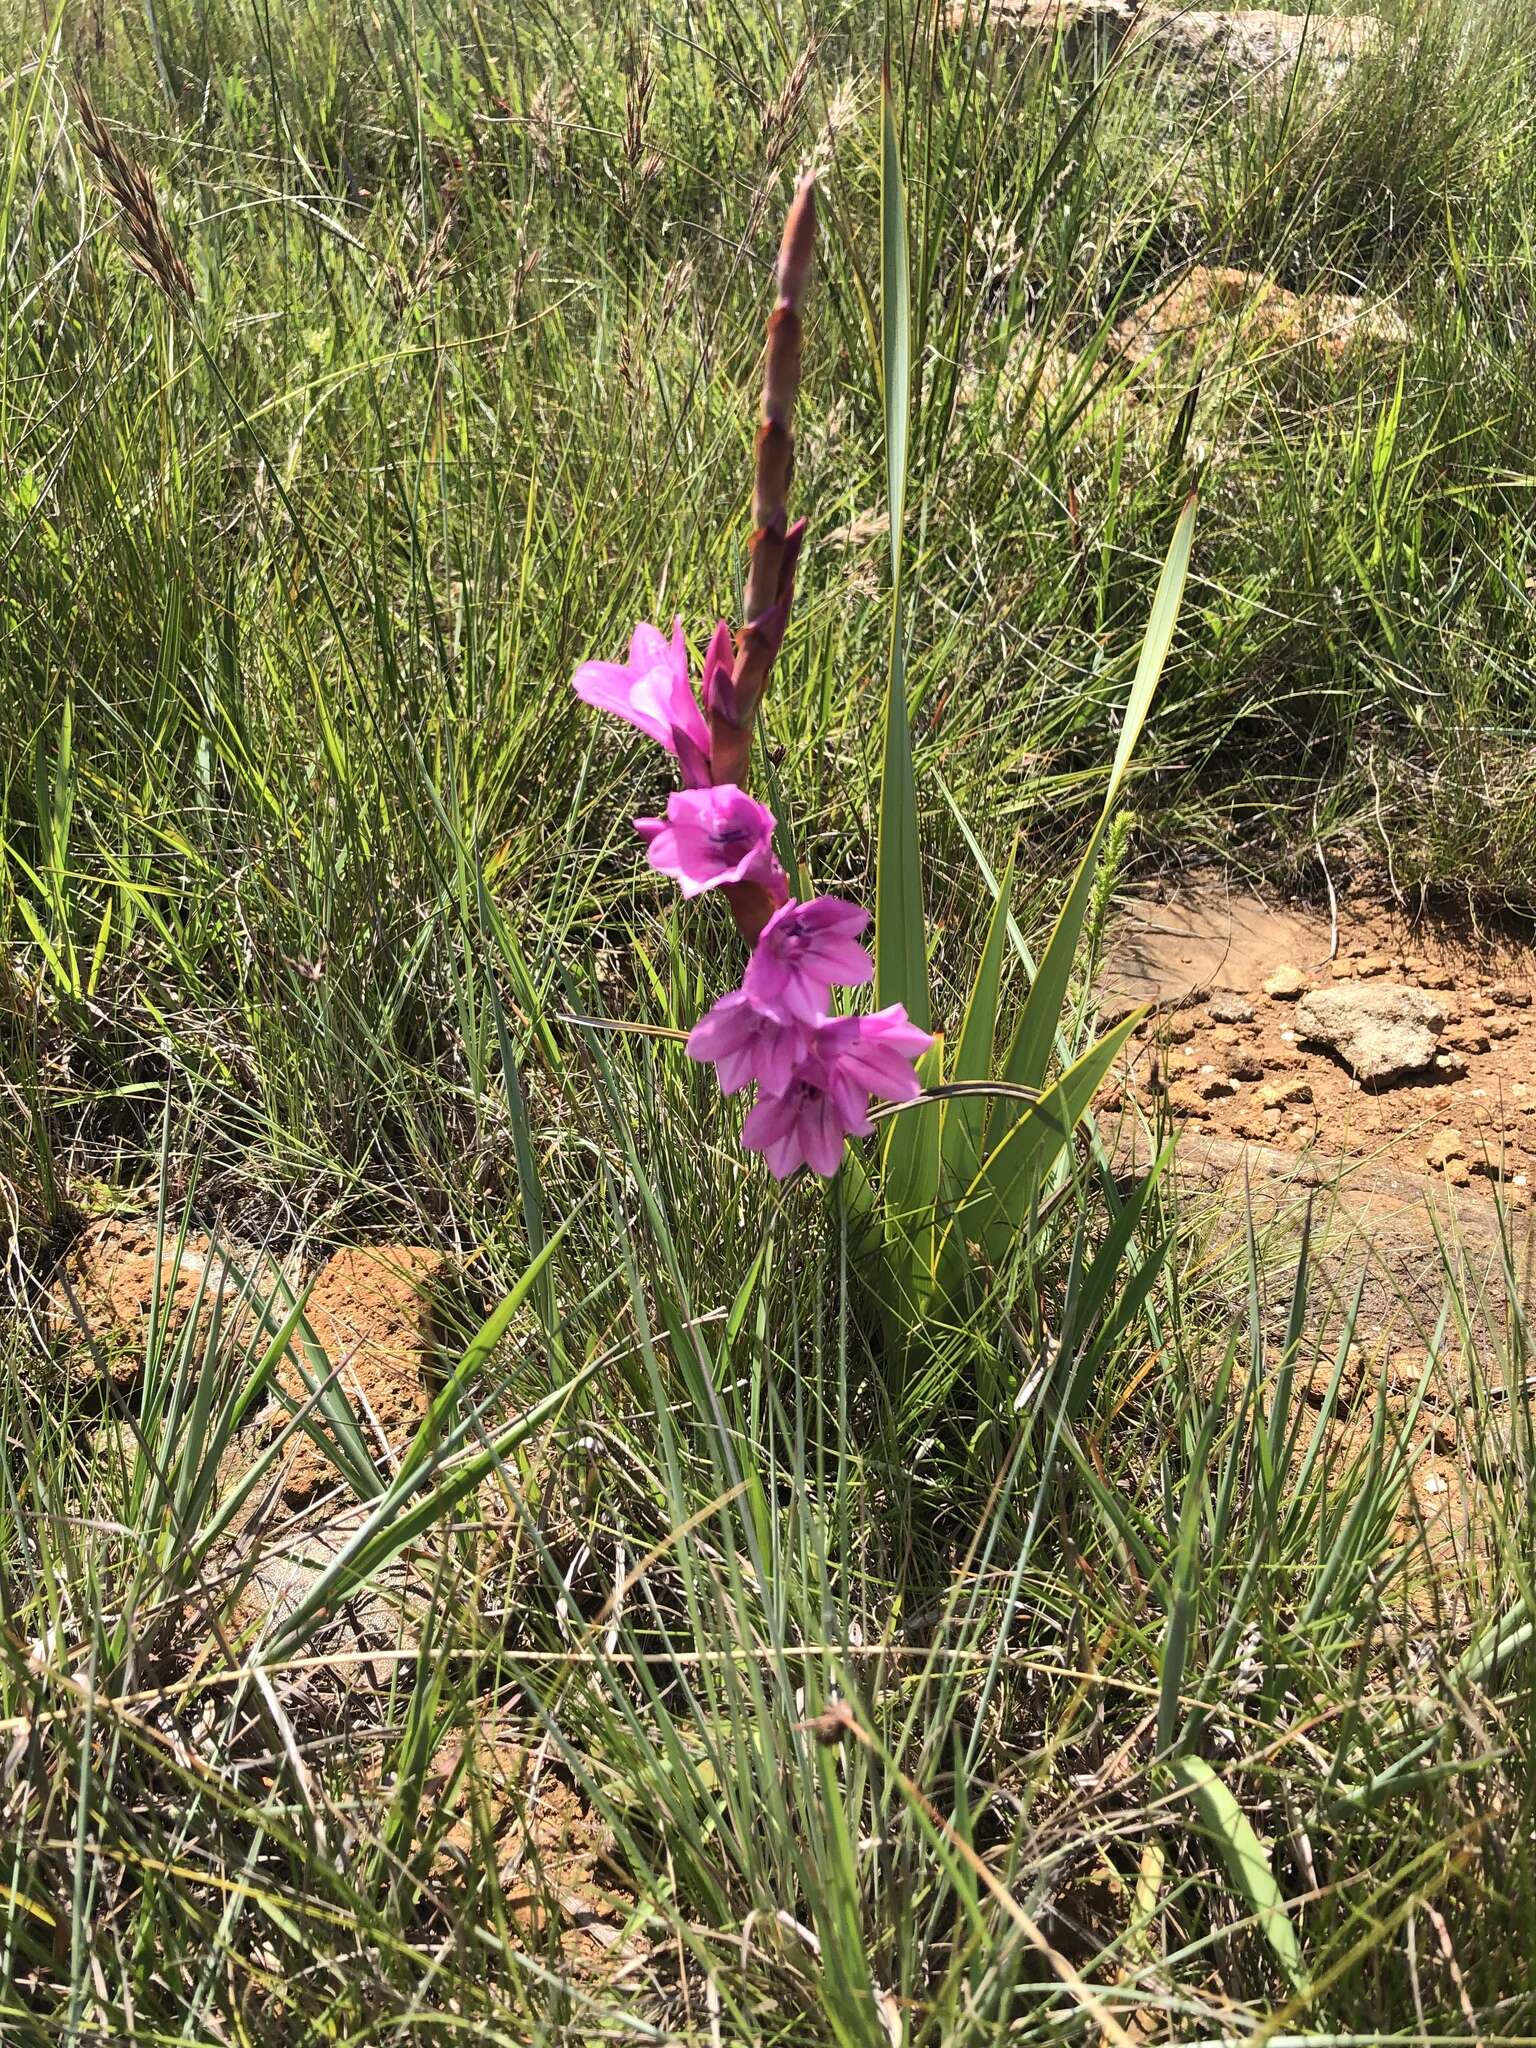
x,y
1080,1682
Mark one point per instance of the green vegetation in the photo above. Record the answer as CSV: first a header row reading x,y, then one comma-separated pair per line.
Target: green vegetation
x,y
1040,1670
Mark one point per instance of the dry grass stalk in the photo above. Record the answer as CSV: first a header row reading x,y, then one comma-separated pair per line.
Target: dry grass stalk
x,y
637,105
781,117
149,243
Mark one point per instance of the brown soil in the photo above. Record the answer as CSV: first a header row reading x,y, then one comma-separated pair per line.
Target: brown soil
x,y
548,1844
372,1310
102,1295
1394,1182
1471,1117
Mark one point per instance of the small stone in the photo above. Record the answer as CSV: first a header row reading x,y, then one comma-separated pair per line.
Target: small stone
x,y
1431,976
1285,1094
1444,1146
1373,964
1467,1038
1225,1037
1245,1066
1225,1007
1342,970
1382,1030
1452,1063
1287,983
1480,1006
1502,1027
1213,1085
1184,1099
1406,1373
1510,995
1458,1173
1178,1030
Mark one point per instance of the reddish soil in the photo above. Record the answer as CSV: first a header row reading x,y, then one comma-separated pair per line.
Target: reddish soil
x,y
103,1293
372,1310
1396,1180
1228,1061
547,1843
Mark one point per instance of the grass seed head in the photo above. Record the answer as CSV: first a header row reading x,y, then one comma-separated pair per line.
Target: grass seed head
x,y
149,244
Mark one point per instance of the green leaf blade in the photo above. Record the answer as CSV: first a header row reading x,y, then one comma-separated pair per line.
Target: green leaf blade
x,y
1246,1860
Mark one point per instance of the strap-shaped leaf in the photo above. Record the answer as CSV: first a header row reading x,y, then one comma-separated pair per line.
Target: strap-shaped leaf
x,y
1247,1863
912,1184
1030,1054
1154,647
994,1207
965,1118
411,1507
1029,1057
1184,1589
901,958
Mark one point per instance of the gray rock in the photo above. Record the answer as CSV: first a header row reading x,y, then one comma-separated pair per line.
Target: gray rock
x,y
1227,1008
1381,1030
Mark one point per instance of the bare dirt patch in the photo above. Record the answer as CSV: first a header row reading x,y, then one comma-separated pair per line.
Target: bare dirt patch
x,y
1233,46
1394,1184
1217,311
551,1851
374,1311
104,1292
1231,1060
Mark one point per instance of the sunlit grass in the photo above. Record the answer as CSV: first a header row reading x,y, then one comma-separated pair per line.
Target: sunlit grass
x,y
310,860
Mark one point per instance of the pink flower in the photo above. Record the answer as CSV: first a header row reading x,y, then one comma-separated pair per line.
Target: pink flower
x,y
712,836
748,1044
651,691
806,1123
804,1120
804,950
879,1052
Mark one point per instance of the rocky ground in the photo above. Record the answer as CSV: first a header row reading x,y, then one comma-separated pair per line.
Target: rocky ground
x,y
1410,1045
1208,45
1375,1084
